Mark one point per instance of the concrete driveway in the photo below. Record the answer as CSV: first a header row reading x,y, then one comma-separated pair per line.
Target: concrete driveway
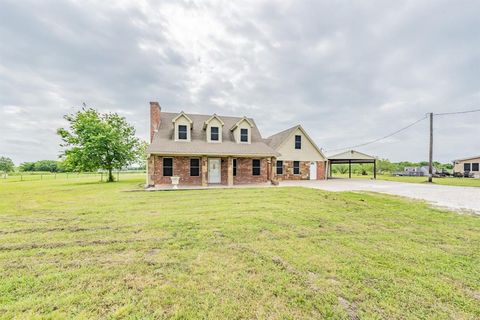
x,y
452,197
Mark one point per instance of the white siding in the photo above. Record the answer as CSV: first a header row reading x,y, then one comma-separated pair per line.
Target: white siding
x,y
308,152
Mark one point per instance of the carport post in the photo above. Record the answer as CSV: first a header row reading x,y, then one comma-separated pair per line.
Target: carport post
x,y
375,169
350,169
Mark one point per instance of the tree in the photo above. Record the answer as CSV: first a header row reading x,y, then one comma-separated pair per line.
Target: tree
x,y
6,164
98,141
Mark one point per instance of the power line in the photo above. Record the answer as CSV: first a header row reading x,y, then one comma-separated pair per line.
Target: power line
x,y
382,138
457,112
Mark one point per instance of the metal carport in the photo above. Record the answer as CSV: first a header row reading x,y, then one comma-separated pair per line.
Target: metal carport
x,y
349,157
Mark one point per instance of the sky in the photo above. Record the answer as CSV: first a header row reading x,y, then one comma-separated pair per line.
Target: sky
x,y
347,71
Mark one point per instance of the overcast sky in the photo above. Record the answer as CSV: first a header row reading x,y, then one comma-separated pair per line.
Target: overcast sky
x,y
348,71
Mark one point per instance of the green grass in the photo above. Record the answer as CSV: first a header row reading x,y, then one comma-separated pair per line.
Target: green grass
x,y
466,182
83,249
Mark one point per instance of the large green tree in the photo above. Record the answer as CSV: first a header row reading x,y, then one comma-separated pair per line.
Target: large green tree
x,y
6,164
98,141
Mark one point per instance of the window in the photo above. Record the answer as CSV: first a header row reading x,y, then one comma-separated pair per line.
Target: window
x,y
167,167
214,133
475,166
255,167
296,167
234,167
279,167
466,167
194,167
244,135
182,132
298,142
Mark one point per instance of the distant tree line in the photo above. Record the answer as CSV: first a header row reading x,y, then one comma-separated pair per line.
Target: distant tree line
x,y
43,165
387,167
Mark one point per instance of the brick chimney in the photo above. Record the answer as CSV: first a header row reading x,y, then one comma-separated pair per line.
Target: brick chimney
x,y
154,118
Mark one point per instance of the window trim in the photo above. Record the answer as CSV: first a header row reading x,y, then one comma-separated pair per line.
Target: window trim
x,y
217,133
277,167
163,166
242,135
197,167
180,132
298,144
259,167
296,167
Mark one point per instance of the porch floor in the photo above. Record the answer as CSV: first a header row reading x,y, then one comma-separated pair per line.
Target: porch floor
x,y
168,187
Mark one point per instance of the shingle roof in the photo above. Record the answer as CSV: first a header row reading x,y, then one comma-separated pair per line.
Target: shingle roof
x,y
164,142
277,139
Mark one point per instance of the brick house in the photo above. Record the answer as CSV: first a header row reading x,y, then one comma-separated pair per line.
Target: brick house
x,y
211,149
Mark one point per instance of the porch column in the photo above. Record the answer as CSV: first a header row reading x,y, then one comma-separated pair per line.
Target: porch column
x,y
230,171
204,172
273,171
150,170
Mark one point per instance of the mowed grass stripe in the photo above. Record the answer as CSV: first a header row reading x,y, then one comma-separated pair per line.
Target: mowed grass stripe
x,y
85,249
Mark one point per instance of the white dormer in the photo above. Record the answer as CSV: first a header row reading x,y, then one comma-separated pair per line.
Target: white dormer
x,y
182,127
242,131
213,127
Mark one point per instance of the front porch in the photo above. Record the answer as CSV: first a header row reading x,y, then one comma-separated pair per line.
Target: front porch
x,y
209,171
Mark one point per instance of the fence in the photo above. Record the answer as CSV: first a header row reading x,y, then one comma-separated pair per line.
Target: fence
x,y
40,176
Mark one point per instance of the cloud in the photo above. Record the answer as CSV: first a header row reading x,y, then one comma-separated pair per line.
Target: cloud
x,y
349,72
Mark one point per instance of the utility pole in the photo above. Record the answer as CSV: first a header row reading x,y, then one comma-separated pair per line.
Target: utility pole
x,y
430,153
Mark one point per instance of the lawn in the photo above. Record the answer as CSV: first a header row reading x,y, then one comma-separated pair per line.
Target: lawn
x,y
465,182
84,249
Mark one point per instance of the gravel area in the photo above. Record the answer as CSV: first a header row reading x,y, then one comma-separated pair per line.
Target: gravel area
x,y
451,197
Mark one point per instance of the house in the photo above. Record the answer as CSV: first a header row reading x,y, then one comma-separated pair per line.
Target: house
x,y
300,158
467,166
213,149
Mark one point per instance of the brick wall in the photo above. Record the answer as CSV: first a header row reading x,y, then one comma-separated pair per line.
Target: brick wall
x,y
288,171
320,170
181,168
244,172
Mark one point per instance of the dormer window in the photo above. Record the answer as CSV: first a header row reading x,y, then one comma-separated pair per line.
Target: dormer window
x,y
244,135
182,125
182,132
214,133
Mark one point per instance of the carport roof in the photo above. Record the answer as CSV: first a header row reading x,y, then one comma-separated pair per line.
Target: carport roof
x,y
353,156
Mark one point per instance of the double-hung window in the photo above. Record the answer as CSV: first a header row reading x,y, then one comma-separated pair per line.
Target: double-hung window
x,y
244,135
466,167
296,167
234,167
298,142
256,167
475,166
182,132
279,167
194,167
214,134
167,167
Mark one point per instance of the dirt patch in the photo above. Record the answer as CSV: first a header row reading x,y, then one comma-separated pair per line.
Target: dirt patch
x,y
349,307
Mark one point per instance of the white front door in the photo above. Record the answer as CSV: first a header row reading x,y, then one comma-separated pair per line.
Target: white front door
x,y
313,170
214,170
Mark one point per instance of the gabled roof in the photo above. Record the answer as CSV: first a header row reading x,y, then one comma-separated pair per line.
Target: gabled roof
x,y
469,158
182,114
210,119
164,143
350,155
277,140
240,121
